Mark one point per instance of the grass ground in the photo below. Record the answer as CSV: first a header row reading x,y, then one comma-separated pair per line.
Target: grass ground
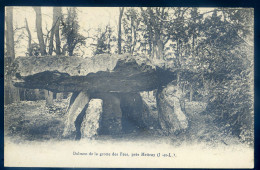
x,y
33,137
33,121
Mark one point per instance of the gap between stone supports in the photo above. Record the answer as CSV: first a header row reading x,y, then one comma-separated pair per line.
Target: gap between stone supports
x,y
111,122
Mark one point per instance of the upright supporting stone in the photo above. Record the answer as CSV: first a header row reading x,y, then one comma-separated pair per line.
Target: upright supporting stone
x,y
91,120
111,122
171,117
74,110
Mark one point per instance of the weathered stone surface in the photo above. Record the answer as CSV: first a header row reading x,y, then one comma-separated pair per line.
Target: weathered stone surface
x,y
74,66
171,117
91,120
128,75
74,110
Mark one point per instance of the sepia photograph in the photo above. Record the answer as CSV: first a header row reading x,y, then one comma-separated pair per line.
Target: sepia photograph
x,y
129,87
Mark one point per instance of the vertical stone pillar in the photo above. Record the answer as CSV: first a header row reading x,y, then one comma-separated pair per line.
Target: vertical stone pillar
x,y
74,110
171,117
91,120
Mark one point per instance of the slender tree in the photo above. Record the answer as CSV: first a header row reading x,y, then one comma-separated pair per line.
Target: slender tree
x,y
29,50
48,94
9,33
11,92
131,24
57,17
51,38
39,30
55,31
121,11
157,30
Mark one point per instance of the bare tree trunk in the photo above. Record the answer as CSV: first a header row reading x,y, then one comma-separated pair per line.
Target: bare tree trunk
x,y
29,38
121,11
55,31
51,39
48,94
178,57
29,50
11,93
133,34
57,18
39,30
159,49
191,93
9,33
152,39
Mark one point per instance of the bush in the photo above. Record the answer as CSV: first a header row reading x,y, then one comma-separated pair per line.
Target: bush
x,y
231,104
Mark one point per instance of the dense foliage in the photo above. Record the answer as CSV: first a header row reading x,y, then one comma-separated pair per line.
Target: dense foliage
x,y
104,41
216,45
70,31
